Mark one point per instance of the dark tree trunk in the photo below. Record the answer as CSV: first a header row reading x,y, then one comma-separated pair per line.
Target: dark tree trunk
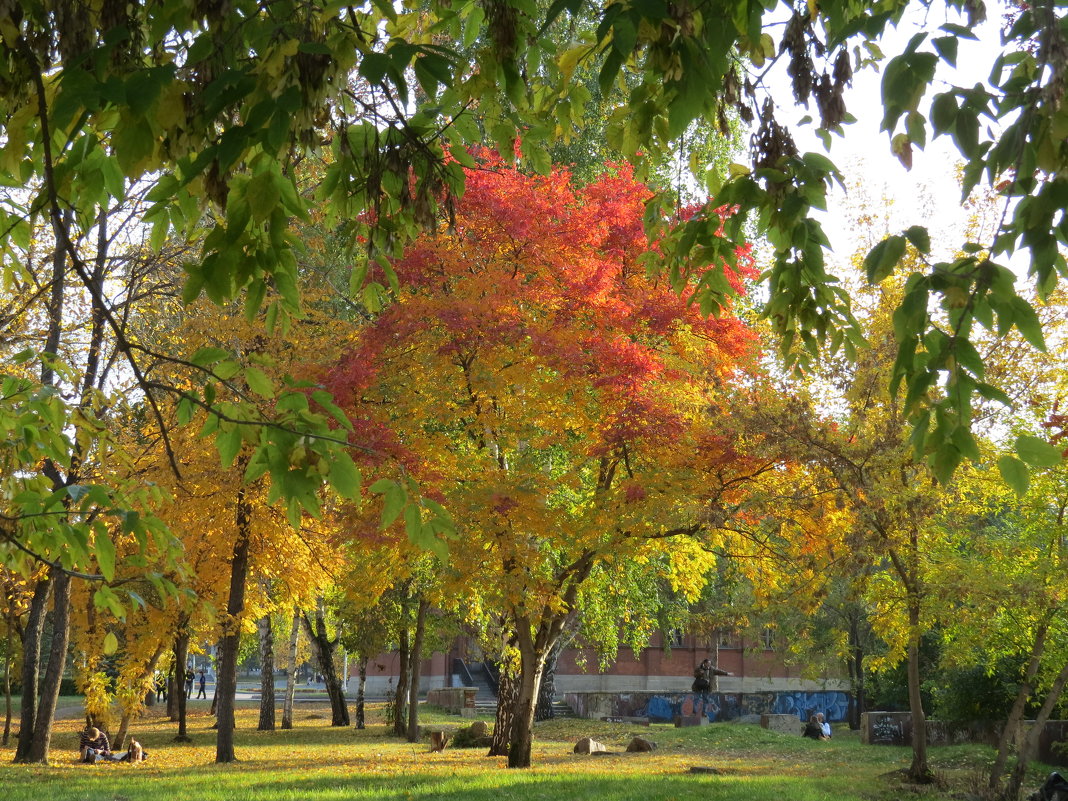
x,y
291,673
323,649
228,646
172,697
57,662
416,664
7,685
522,737
919,771
361,694
31,666
507,698
1029,747
181,653
266,674
547,691
400,702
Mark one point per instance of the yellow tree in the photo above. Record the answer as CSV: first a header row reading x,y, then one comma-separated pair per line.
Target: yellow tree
x,y
238,505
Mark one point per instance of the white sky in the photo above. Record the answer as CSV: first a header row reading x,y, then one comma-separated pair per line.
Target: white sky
x,y
928,194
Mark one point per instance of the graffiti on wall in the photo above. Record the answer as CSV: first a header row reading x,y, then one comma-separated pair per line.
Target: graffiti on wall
x,y
731,706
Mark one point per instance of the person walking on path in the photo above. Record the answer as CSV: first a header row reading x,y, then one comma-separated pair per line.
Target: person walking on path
x,y
189,674
202,683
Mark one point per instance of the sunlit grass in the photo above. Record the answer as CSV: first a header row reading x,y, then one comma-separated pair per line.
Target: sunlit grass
x,y
320,763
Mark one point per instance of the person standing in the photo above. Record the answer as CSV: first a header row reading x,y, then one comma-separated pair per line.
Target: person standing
x,y
702,685
189,674
202,683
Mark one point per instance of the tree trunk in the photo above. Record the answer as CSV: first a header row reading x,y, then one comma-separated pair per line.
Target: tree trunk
x,y
857,703
361,694
172,697
416,660
547,691
522,737
266,674
1019,705
227,679
57,662
291,673
919,771
400,702
181,653
323,649
1030,744
507,698
31,665
7,685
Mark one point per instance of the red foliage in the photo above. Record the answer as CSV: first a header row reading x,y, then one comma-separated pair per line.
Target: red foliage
x,y
550,271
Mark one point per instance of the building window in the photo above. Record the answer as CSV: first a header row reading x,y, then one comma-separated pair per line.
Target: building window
x,y
767,637
729,639
674,638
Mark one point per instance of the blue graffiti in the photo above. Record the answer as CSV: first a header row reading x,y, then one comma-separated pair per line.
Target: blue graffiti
x,y
834,704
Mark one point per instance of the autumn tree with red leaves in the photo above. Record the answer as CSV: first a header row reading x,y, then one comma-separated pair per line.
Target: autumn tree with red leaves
x,y
568,411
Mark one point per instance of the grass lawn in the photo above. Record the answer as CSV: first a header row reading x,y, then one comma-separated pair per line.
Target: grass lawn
x,y
318,763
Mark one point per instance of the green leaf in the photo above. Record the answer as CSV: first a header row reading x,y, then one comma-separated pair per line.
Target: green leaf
x,y
207,356
1037,452
227,370
1015,474
110,644
105,555
228,444
393,503
381,486
258,382
882,259
344,476
263,195
920,238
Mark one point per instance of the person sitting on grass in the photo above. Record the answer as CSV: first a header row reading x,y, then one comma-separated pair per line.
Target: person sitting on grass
x,y
813,729
135,753
825,727
93,745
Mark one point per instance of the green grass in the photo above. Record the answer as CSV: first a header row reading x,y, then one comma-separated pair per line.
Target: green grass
x,y
314,762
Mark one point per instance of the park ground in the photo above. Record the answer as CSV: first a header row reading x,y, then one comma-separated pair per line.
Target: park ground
x,y
315,762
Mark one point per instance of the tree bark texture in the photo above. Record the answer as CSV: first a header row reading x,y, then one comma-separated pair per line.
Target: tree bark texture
x,y
57,661
400,701
31,665
543,709
416,664
227,679
522,739
919,771
507,699
361,694
266,722
291,673
323,649
7,685
181,653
